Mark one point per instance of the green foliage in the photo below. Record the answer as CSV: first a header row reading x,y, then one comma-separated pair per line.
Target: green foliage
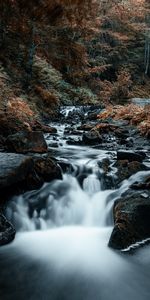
x,y
51,80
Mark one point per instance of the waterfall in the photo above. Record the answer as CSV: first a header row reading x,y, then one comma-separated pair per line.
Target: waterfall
x,y
66,204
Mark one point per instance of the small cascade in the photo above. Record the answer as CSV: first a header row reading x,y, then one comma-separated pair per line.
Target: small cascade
x,y
60,204
91,184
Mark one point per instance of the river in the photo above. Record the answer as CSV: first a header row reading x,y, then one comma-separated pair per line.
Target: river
x,y
60,251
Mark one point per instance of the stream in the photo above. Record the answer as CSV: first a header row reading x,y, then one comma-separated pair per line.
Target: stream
x,y
61,248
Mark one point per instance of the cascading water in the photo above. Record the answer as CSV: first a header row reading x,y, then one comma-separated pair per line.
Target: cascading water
x,y
64,203
60,251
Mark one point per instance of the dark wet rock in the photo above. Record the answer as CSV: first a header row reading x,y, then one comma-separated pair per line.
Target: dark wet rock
x,y
91,138
47,169
53,144
66,166
19,173
14,169
37,126
26,141
132,220
75,132
2,143
121,133
107,182
141,185
107,178
105,165
72,131
67,130
129,142
81,178
127,168
85,127
130,155
7,231
32,182
73,141
92,116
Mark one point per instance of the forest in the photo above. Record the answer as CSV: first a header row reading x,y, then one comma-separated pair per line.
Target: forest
x,y
75,149
56,53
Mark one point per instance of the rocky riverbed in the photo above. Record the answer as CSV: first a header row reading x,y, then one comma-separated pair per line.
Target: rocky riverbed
x,y
30,159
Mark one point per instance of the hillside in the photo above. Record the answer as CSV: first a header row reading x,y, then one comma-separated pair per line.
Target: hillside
x,y
55,53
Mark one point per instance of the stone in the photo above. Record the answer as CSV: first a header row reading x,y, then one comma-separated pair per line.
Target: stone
x,y
66,166
127,168
130,156
7,231
14,168
2,143
26,141
92,137
85,127
132,221
19,173
142,185
37,126
47,169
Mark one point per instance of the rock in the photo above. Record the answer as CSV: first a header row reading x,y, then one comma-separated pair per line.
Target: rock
x,y
141,185
25,141
91,138
107,178
130,156
109,128
66,166
105,165
2,142
53,145
74,141
7,231
19,173
37,126
47,169
9,124
132,221
85,127
127,168
14,169
92,116
81,177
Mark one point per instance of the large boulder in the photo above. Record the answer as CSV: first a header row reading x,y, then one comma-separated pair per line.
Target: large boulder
x,y
14,169
47,168
92,137
132,220
19,173
130,155
126,168
37,126
27,141
9,124
7,231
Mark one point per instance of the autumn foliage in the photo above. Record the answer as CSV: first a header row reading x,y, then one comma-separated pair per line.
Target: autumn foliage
x,y
134,114
73,52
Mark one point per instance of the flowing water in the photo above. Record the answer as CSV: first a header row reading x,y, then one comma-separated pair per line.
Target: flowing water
x,y
60,251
